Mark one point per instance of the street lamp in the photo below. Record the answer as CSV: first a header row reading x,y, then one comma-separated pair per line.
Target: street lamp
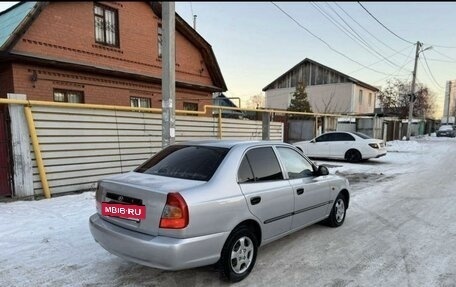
x,y
412,96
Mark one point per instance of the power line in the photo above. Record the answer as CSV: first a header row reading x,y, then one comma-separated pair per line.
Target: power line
x,y
396,73
453,60
361,38
398,52
323,41
191,9
345,31
430,72
384,25
362,27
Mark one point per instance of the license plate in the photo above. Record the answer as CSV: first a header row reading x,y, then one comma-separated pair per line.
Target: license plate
x,y
127,211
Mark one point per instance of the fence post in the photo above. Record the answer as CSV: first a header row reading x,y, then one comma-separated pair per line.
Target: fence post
x,y
220,135
20,141
37,150
266,126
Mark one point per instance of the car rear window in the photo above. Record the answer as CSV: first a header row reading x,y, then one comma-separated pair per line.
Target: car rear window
x,y
446,128
363,136
185,161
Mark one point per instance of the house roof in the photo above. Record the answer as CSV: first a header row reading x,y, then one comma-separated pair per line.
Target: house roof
x,y
224,101
11,20
16,20
307,60
208,54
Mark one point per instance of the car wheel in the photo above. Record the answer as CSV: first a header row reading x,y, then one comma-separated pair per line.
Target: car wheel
x,y
353,155
337,216
238,254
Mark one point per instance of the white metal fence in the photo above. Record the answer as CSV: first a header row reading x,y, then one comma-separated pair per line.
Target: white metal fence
x,y
81,146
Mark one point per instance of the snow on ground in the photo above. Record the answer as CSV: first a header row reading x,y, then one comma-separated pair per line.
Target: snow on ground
x,y
400,231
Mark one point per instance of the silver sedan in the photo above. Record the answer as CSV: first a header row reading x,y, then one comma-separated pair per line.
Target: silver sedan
x,y
201,203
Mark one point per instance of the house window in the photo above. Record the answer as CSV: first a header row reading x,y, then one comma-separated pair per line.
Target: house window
x,y
140,102
190,107
360,99
106,25
160,39
68,96
370,99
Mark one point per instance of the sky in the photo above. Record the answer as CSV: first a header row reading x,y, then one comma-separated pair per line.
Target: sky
x,y
255,42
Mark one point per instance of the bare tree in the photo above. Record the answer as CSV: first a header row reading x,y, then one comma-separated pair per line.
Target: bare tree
x,y
395,99
256,101
330,106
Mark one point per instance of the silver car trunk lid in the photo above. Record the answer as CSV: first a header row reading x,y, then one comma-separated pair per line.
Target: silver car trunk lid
x,y
140,189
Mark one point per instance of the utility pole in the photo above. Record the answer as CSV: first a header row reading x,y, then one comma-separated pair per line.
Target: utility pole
x,y
412,96
448,100
168,74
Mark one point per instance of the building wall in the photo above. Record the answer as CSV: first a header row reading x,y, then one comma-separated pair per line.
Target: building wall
x,y
450,99
97,89
6,80
65,30
279,98
330,98
367,103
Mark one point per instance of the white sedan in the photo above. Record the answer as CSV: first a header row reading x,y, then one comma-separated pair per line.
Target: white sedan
x,y
351,146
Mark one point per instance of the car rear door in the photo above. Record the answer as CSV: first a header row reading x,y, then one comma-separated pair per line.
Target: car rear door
x,y
341,142
269,196
311,193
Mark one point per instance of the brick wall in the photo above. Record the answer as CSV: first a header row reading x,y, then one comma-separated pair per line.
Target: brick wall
x,y
65,31
97,89
6,80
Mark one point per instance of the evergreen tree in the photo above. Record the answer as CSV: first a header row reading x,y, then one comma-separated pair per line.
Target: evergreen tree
x,y
299,101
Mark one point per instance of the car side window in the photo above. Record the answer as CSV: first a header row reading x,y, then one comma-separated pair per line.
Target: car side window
x,y
322,138
295,164
344,137
245,173
263,163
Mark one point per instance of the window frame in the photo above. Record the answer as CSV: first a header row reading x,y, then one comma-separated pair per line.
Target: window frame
x,y
159,40
370,99
116,32
360,97
255,179
192,103
65,95
139,101
284,166
339,134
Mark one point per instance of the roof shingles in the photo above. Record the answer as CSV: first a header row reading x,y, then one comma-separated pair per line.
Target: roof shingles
x,y
11,20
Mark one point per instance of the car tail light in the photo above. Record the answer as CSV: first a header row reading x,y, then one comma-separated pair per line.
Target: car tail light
x,y
175,212
373,145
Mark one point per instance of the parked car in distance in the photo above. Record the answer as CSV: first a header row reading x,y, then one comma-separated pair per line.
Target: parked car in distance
x,y
446,131
201,203
351,146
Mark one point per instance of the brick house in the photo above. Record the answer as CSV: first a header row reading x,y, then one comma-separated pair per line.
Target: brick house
x,y
101,53
98,53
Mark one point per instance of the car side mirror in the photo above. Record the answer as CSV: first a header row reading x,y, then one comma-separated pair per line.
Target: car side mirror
x,y
322,170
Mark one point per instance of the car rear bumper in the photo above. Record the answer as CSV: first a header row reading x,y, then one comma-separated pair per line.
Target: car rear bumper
x,y
157,251
375,153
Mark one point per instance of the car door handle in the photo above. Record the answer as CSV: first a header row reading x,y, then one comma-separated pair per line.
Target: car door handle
x,y
255,200
300,191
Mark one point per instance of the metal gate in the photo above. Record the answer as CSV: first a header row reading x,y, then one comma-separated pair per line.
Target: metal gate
x,y
5,168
